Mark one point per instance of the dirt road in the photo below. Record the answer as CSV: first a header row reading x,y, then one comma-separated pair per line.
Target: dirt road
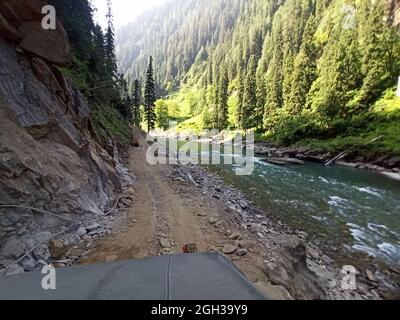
x,y
168,214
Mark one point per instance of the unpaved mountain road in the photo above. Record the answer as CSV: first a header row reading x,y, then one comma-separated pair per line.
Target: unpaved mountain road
x,y
168,214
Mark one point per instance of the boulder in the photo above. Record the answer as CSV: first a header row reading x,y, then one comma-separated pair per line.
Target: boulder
x,y
13,249
22,10
49,45
291,271
9,13
7,31
45,75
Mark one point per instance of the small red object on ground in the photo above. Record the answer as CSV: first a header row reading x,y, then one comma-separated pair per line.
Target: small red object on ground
x,y
190,248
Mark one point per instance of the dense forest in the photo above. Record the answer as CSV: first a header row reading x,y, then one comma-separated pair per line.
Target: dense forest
x,y
316,72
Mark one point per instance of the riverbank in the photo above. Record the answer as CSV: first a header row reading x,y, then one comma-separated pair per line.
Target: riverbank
x,y
387,165
294,254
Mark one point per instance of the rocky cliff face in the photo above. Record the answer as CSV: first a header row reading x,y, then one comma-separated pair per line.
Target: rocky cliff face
x,y
48,158
394,13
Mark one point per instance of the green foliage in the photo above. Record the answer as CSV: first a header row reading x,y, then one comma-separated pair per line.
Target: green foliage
x,y
249,102
223,95
353,133
162,114
109,122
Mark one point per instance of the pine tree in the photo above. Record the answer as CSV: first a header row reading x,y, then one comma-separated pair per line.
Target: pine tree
x,y
250,95
223,100
240,93
274,81
261,93
137,102
78,23
305,70
288,62
98,59
111,60
150,97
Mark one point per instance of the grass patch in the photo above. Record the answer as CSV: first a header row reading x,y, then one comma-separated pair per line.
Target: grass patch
x,y
110,123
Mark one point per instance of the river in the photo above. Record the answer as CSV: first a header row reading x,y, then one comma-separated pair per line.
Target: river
x,y
353,207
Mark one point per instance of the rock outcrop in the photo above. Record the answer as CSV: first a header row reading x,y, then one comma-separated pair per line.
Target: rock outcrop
x,y
48,158
394,13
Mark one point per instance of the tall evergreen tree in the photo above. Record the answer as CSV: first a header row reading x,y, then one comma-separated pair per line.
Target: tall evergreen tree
x,y
98,59
240,94
260,94
150,97
111,60
274,80
250,95
305,70
137,102
223,100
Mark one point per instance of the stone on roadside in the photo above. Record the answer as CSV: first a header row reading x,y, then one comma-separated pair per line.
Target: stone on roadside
x,y
241,252
57,248
75,253
165,243
229,249
370,276
130,192
92,227
81,232
243,204
212,221
42,253
234,236
29,264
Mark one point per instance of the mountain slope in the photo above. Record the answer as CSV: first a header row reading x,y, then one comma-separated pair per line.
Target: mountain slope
x,y
175,34
321,70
